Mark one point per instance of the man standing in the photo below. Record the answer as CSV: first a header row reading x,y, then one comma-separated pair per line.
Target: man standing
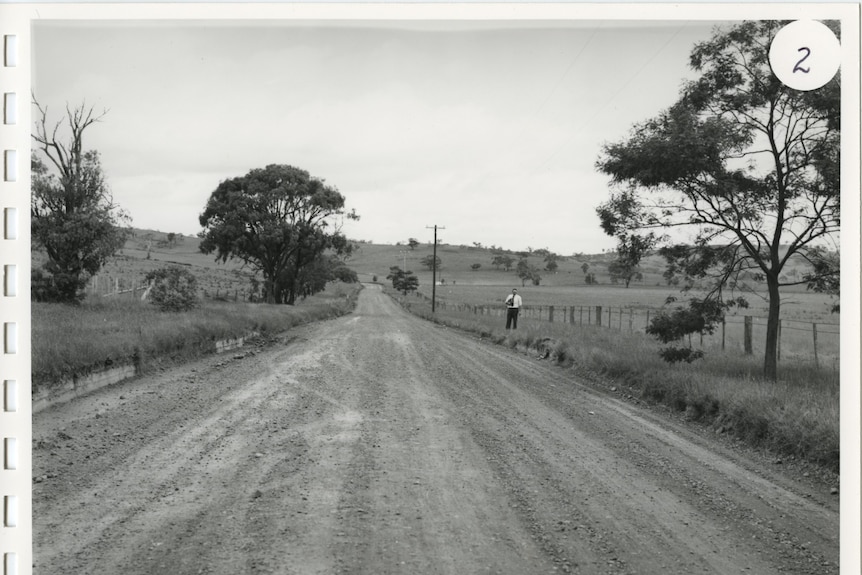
x,y
513,305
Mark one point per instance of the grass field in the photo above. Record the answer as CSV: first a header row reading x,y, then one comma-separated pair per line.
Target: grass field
x,y
631,308
456,262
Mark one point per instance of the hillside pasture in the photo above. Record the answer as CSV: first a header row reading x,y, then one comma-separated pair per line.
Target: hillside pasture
x,y
146,250
487,286
456,262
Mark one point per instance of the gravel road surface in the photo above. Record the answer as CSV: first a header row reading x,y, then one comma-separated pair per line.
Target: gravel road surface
x,y
379,443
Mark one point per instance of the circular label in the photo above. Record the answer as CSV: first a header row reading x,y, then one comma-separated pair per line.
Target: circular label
x,y
805,55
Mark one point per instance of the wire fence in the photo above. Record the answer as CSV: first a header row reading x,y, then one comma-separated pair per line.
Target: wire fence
x,y
136,288
819,342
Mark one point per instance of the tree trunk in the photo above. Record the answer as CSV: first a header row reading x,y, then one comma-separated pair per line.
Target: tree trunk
x,y
770,358
268,289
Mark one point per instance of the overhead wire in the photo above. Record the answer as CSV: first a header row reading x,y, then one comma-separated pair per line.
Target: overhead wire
x,y
591,117
555,87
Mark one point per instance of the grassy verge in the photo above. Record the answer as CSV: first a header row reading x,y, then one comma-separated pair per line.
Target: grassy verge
x,y
796,416
70,341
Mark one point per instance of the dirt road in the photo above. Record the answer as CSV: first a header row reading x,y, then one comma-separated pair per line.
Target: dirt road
x,y
379,443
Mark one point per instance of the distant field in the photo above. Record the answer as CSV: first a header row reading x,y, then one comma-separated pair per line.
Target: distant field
x,y
456,262
566,288
488,286
797,306
147,250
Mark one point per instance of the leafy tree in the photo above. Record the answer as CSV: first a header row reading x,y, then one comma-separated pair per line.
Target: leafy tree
x,y
430,260
550,261
173,289
73,217
403,281
172,239
412,242
503,260
586,267
826,275
475,267
748,163
316,274
278,219
618,216
527,272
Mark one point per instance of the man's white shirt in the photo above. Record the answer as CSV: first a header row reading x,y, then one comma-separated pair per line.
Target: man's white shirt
x,y
513,301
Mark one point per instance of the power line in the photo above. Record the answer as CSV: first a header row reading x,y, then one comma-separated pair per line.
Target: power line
x,y
564,74
607,103
556,85
434,268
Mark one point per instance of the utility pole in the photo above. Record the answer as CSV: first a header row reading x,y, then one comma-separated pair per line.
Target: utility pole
x,y
434,270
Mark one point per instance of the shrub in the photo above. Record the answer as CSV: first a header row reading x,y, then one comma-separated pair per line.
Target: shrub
x,y
173,289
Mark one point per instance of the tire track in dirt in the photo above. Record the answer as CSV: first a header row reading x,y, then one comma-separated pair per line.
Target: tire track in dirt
x,y
681,487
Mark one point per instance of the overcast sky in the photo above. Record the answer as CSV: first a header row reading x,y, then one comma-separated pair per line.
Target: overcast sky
x,y
490,130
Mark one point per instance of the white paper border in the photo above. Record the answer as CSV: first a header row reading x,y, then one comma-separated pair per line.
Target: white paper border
x,y
15,19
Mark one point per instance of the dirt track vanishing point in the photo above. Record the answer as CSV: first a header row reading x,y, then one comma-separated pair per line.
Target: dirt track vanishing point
x,y
379,443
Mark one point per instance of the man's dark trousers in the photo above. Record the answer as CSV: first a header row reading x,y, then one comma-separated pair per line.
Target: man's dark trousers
x,y
512,318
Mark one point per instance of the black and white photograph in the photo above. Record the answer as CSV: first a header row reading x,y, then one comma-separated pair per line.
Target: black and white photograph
x,y
428,289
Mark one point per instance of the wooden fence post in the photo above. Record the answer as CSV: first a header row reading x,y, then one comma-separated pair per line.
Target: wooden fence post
x,y
747,335
814,332
580,315
778,343
722,333
631,320
621,318
599,315
609,317
647,321
551,314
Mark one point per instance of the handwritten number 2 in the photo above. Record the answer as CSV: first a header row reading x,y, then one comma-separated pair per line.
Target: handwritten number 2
x,y
799,68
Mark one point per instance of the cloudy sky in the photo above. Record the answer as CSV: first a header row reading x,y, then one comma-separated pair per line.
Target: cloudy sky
x,y
490,129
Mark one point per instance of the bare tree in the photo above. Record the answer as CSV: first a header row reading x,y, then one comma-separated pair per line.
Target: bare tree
x,y
73,216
